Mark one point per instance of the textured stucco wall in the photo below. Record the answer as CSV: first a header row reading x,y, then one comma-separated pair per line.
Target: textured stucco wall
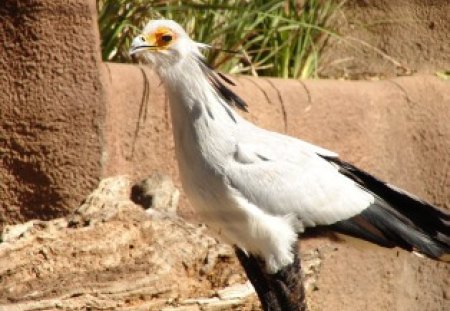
x,y
51,106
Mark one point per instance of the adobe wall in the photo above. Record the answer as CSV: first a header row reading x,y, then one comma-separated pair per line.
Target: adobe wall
x,y
52,107
398,129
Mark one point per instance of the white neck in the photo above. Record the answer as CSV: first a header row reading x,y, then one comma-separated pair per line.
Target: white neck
x,y
190,92
204,126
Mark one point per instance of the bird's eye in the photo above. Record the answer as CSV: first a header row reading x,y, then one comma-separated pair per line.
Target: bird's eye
x,y
166,38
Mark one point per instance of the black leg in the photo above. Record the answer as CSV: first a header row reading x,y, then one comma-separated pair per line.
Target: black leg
x,y
254,268
288,286
283,291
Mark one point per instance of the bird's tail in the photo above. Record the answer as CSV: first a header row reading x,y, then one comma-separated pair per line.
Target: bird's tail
x,y
397,218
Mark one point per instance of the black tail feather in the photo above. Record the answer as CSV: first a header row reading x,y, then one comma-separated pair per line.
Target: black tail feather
x,y
396,218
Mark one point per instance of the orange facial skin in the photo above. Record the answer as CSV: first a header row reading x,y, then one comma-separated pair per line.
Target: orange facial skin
x,y
162,38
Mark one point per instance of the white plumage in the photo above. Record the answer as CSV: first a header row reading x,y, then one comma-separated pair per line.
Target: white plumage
x,y
254,188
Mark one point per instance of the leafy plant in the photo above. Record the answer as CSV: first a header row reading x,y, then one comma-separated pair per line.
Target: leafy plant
x,y
280,38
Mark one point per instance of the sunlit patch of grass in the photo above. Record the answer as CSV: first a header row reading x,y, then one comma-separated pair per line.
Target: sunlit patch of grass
x,y
282,38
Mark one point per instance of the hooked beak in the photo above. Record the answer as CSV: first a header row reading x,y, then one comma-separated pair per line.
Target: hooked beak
x,y
139,44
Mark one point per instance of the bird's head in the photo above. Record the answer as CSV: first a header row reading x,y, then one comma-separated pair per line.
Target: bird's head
x,y
163,43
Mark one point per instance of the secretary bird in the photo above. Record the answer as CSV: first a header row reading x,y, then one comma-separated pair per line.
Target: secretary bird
x,y
259,190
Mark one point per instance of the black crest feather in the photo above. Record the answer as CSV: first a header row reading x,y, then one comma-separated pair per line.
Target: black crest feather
x,y
216,78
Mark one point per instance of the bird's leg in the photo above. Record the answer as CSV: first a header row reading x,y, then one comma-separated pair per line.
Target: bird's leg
x,y
255,270
283,291
289,287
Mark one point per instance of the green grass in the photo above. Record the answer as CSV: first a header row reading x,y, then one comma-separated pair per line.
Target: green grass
x,y
281,38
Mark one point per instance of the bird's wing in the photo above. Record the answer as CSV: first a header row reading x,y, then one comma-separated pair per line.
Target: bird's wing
x,y
286,177
268,140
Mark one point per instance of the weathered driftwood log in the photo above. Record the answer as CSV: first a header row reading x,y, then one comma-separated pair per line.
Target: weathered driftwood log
x,y
112,254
